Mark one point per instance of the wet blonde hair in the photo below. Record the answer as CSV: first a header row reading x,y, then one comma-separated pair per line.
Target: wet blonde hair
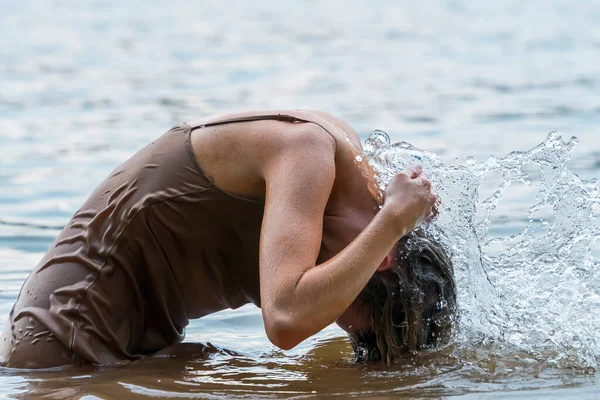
x,y
411,305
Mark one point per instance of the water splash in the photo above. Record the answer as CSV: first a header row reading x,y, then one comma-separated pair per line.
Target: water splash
x,y
527,276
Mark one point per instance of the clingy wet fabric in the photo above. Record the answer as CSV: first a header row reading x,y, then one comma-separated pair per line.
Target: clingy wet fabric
x,y
156,244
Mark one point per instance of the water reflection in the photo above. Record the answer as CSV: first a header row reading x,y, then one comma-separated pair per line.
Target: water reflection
x,y
326,371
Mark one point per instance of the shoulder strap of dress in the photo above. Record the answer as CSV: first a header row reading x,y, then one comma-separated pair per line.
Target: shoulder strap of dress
x,y
277,117
261,117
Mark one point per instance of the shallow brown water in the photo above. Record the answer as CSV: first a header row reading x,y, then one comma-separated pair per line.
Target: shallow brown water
x,y
326,371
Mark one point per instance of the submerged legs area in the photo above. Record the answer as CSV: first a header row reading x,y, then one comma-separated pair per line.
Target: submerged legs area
x,y
28,344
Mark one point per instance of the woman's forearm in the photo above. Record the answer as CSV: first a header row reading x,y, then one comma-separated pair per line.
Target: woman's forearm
x,y
324,292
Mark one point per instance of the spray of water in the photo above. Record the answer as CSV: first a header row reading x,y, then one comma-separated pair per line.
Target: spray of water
x,y
527,277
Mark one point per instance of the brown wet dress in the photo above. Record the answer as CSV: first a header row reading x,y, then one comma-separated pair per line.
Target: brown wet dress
x,y
156,244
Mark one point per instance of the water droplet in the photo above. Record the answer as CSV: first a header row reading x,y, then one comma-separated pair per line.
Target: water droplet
x,y
358,158
380,137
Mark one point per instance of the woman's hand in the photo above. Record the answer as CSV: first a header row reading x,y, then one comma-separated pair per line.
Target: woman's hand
x,y
409,200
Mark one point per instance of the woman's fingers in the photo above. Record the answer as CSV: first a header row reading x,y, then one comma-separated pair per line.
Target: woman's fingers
x,y
434,200
414,170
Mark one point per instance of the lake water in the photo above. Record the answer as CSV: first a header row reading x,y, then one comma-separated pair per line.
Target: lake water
x,y
83,85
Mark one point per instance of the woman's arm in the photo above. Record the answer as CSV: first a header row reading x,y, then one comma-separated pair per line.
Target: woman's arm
x,y
298,297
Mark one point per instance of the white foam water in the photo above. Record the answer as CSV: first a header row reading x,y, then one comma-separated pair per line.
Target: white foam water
x,y
526,273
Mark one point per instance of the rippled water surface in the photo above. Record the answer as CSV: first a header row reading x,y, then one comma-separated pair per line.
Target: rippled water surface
x,y
83,85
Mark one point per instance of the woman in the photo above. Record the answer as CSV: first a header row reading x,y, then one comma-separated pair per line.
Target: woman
x,y
265,208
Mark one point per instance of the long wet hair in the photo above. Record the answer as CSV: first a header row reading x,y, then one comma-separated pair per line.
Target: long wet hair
x,y
411,305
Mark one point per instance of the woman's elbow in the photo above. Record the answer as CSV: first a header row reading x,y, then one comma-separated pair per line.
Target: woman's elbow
x,y
282,331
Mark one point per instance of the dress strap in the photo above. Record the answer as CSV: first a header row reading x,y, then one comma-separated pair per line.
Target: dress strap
x,y
276,117
261,117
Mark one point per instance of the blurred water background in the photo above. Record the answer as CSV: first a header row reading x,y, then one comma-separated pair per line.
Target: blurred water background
x,y
83,85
